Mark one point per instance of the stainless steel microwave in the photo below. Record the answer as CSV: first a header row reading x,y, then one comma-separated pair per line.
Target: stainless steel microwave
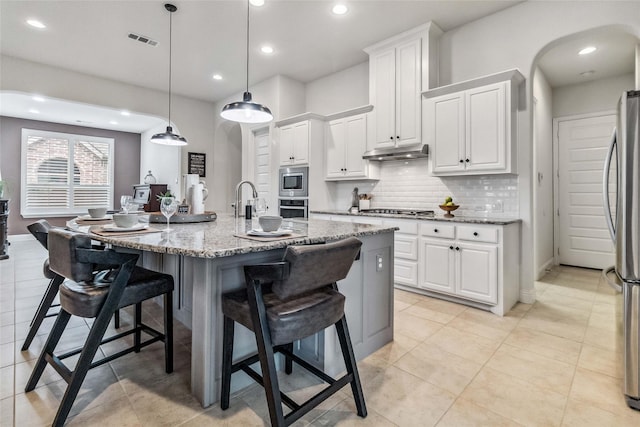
x,y
294,182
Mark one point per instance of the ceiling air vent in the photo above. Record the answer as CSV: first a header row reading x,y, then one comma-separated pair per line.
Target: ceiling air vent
x,y
142,39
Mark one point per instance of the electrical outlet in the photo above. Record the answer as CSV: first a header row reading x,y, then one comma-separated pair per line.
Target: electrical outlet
x,y
379,262
497,206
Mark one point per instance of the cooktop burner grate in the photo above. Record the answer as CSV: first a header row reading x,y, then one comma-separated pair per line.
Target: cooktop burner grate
x,y
400,212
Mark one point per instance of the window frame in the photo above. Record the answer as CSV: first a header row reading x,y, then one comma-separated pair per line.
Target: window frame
x,y
73,139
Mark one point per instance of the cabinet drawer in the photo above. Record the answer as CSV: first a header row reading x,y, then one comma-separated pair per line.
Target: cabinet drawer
x,y
434,229
405,272
408,226
405,246
478,234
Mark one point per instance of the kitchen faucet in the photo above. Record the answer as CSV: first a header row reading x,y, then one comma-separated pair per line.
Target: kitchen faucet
x,y
237,207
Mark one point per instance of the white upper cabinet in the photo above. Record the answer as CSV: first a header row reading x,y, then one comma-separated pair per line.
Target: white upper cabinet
x,y
294,144
396,80
473,130
345,142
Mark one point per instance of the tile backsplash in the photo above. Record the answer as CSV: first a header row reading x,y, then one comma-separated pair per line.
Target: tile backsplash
x,y
409,185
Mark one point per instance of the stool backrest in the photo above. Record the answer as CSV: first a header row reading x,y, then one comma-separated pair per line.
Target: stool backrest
x,y
315,266
62,254
40,230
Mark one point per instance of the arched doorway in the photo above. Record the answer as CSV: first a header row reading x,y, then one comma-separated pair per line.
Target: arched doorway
x,y
575,94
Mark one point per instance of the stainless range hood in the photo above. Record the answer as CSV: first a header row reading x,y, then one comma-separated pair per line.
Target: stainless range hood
x,y
397,153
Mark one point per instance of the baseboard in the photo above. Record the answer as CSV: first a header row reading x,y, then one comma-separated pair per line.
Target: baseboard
x,y
546,266
528,296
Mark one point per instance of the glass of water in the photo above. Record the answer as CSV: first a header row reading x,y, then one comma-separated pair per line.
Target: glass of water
x,y
260,206
126,203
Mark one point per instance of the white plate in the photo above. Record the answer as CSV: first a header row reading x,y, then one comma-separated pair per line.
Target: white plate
x,y
113,227
260,233
90,218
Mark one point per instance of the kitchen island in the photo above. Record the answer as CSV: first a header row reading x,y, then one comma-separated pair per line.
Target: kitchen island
x,y
207,259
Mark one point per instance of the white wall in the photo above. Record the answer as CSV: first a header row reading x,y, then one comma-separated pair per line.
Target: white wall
x,y
590,97
339,91
543,168
515,38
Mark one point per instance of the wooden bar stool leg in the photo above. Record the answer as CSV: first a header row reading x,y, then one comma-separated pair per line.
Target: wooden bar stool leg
x,y
43,308
288,362
137,320
50,345
227,360
267,358
350,363
168,332
89,350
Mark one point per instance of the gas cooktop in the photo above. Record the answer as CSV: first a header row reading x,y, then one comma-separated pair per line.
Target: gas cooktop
x,y
399,212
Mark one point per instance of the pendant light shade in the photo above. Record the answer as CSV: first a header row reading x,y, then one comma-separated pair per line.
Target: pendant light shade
x,y
246,111
168,137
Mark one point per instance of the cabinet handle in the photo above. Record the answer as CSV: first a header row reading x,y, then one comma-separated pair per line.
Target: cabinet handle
x,y
475,233
457,248
451,247
391,138
435,230
467,160
461,161
398,137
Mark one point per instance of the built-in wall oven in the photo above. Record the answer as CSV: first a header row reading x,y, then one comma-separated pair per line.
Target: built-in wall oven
x,y
293,182
294,208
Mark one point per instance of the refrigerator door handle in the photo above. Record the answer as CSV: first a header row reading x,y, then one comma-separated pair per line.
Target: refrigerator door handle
x,y
605,187
605,277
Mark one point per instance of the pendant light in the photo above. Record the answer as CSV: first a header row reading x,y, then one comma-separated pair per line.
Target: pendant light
x,y
168,137
246,111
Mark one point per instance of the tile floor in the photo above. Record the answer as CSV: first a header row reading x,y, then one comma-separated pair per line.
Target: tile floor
x,y
548,364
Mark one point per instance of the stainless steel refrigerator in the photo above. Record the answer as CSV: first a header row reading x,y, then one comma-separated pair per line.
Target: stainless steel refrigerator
x,y
624,226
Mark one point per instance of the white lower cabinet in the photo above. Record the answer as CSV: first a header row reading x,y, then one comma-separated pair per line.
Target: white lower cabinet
x,y
475,264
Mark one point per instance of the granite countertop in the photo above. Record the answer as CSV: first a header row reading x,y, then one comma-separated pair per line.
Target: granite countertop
x,y
437,217
216,239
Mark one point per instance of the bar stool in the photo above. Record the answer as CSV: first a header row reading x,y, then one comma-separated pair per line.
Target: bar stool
x,y
284,302
98,294
40,230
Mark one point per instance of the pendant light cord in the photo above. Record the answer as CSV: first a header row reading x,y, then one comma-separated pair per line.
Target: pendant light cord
x,y
248,8
170,44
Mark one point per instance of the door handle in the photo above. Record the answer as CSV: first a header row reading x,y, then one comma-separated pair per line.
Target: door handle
x,y
605,187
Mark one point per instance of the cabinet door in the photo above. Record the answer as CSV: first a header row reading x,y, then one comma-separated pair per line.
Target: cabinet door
x,y
334,148
447,132
383,90
355,144
485,122
408,112
286,145
437,270
300,144
477,272
405,272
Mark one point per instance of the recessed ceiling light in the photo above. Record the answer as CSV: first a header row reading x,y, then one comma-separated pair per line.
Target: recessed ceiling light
x,y
36,24
34,111
587,50
339,9
113,122
217,77
38,98
257,2
125,113
266,49
587,73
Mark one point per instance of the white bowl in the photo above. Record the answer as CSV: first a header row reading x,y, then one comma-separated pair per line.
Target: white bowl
x,y
97,212
269,222
125,220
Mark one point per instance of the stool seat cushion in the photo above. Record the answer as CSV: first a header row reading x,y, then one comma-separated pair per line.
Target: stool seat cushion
x,y
85,299
47,271
292,319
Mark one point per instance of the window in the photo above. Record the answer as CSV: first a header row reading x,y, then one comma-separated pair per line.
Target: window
x,y
64,174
